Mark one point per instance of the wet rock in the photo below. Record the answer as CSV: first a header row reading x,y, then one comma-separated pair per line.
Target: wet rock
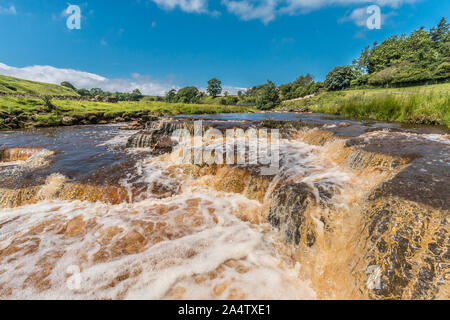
x,y
157,142
15,154
409,244
287,212
92,119
68,121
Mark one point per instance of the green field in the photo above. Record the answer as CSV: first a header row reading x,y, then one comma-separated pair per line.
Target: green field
x,y
428,104
31,112
10,85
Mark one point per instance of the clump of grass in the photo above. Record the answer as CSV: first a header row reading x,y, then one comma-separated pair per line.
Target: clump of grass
x,y
422,104
426,109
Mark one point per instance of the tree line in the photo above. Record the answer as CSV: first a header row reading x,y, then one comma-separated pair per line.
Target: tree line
x,y
418,58
99,94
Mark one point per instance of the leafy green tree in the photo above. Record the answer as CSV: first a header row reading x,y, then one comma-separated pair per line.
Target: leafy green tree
x,y
214,87
47,100
171,95
439,33
362,63
68,85
97,92
302,86
84,92
136,95
443,71
340,77
268,96
188,95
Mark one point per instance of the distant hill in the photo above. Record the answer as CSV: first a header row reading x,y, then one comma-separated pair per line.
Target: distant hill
x,y
10,85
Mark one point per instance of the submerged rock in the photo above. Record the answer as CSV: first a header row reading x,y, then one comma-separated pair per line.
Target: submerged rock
x,y
287,212
17,154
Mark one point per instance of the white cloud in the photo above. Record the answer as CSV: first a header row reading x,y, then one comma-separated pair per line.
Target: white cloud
x,y
197,6
294,6
264,10
8,11
359,16
268,10
81,79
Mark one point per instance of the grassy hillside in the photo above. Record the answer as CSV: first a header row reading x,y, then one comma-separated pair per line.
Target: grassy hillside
x,y
10,85
428,104
18,112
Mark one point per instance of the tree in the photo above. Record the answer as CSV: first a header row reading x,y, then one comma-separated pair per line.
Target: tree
x,y
84,92
136,95
439,32
340,77
187,95
214,87
268,96
47,100
362,63
68,85
97,92
171,95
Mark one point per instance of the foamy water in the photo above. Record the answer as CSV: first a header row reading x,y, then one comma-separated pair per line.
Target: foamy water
x,y
183,247
186,242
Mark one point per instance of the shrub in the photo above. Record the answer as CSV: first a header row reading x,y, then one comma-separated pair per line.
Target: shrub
x,y
442,71
267,96
340,77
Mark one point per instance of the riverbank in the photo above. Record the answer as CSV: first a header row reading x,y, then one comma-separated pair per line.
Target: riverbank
x,y
429,104
412,105
19,112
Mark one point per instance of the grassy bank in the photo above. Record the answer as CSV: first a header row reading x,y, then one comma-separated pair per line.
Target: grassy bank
x,y
422,104
10,85
31,112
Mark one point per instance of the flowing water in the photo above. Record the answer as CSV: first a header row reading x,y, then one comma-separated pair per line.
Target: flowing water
x,y
94,220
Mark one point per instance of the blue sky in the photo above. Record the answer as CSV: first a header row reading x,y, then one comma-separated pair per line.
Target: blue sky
x,y
158,44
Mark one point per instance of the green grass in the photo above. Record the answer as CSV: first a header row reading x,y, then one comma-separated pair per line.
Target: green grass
x,y
82,107
33,112
10,85
422,104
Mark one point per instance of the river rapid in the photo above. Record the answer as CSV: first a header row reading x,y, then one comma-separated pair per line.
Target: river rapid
x,y
96,220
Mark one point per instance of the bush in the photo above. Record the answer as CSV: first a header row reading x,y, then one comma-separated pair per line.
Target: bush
x,y
442,71
360,81
267,96
68,85
187,95
340,77
47,100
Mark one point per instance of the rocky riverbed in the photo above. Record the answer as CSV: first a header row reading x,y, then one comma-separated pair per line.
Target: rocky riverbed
x,y
355,210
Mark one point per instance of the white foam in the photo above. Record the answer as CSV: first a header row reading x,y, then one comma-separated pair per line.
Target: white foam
x,y
192,249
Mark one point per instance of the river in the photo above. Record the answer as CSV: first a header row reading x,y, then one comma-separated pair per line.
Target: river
x,y
84,217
